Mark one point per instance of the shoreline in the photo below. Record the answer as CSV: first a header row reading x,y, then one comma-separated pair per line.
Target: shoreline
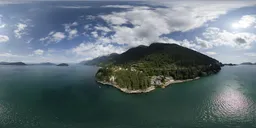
x,y
147,90
178,81
126,90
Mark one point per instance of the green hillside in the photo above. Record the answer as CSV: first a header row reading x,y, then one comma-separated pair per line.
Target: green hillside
x,y
134,68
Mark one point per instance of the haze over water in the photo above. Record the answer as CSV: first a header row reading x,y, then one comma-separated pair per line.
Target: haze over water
x,y
69,97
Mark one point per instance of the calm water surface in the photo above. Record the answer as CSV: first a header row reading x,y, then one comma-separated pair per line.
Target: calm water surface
x,y
69,97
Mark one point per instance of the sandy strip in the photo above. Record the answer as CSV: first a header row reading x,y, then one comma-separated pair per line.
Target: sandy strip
x,y
178,81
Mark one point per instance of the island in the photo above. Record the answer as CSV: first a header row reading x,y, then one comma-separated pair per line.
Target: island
x,y
63,64
13,63
145,68
230,64
248,63
47,64
42,64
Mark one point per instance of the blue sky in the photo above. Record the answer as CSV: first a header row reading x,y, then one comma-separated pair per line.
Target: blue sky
x,y
64,31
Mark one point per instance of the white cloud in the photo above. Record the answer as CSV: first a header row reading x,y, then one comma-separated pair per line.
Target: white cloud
x,y
72,33
92,50
29,41
74,24
20,30
39,52
102,28
53,37
117,6
58,36
73,7
4,38
216,37
8,55
251,54
211,53
95,34
69,26
2,25
150,24
245,22
115,18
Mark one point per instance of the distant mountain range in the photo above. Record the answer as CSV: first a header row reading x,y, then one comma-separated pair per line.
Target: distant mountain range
x,y
12,63
248,63
100,60
45,63
34,64
63,64
156,52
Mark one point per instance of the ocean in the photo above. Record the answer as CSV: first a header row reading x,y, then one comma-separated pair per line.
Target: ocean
x,y
69,97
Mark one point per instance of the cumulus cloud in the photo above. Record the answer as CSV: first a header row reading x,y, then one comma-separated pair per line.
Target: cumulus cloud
x,y
118,6
216,37
4,38
102,28
39,52
53,37
20,30
95,34
69,26
72,32
240,40
73,7
144,25
245,22
93,50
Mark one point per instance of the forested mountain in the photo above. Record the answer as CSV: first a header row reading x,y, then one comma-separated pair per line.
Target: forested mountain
x,y
156,55
62,64
134,68
12,63
248,63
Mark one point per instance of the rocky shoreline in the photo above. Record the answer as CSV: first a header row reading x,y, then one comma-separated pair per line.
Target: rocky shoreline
x,y
147,90
126,90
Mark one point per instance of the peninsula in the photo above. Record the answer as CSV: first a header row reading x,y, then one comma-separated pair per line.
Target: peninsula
x,y
63,64
144,68
13,63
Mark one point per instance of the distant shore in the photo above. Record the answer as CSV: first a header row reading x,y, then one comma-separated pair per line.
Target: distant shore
x,y
147,90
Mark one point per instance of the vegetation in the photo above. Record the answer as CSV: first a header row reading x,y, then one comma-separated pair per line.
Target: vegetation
x,y
132,80
134,68
230,64
62,64
12,63
248,63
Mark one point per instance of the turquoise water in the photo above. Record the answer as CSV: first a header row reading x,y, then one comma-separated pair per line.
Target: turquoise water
x,y
68,97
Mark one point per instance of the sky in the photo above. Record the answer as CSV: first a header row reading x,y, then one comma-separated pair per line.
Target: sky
x,y
56,31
